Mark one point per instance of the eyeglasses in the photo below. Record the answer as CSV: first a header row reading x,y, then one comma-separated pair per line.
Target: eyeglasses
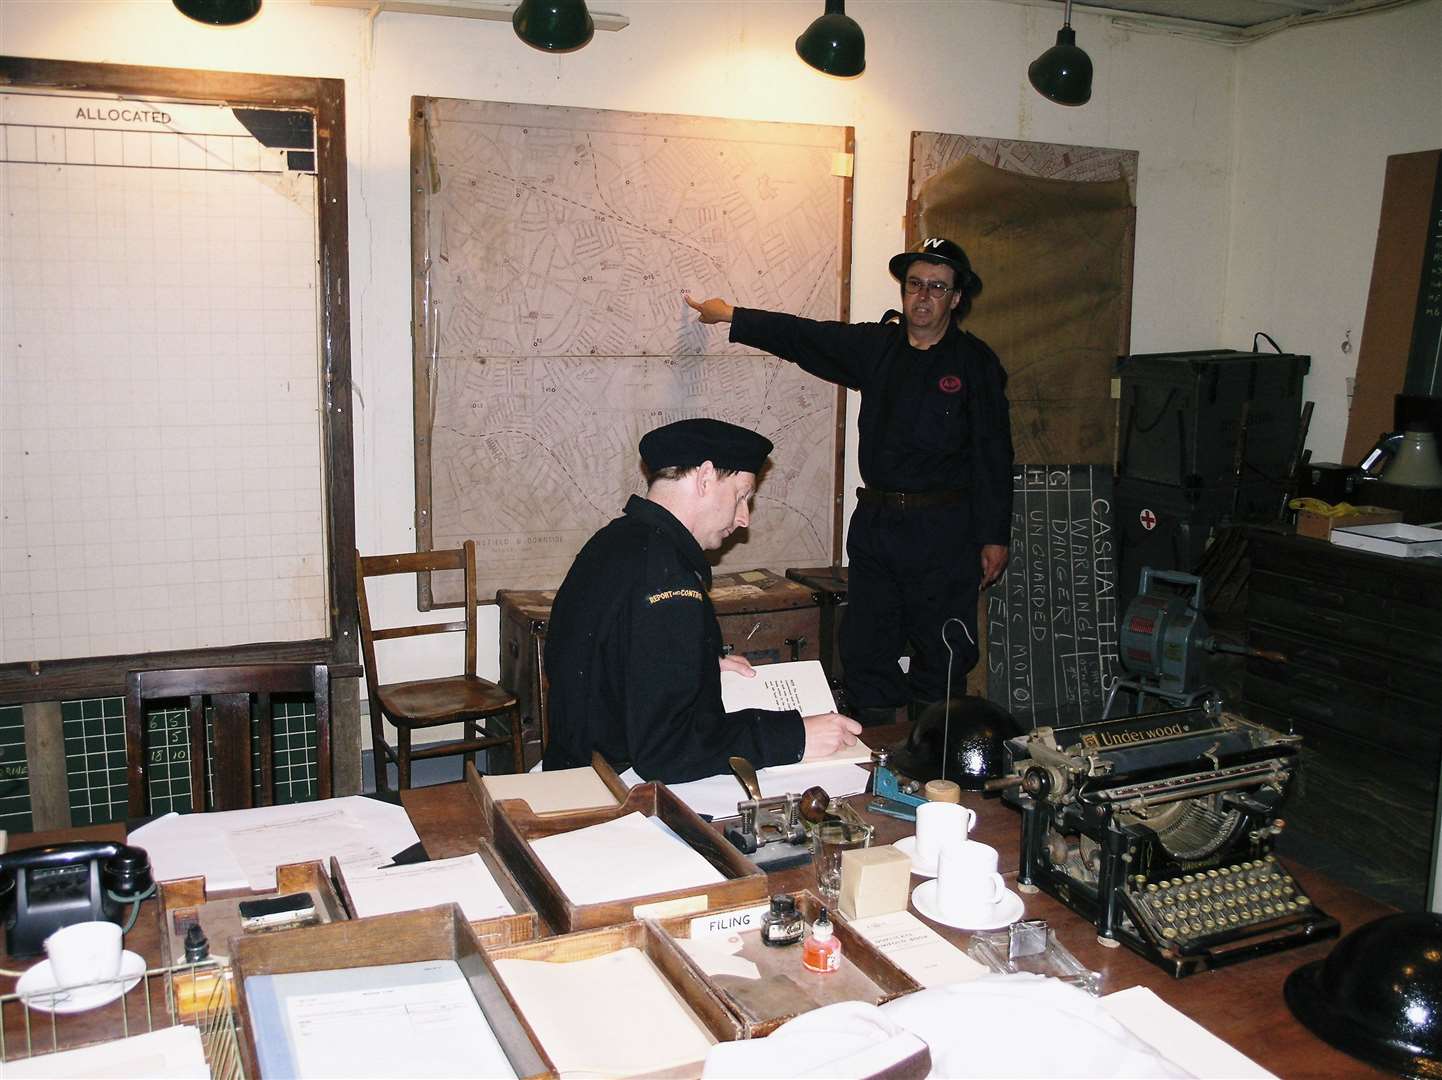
x,y
934,288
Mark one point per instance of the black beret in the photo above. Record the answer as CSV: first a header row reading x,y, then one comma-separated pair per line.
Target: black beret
x,y
687,443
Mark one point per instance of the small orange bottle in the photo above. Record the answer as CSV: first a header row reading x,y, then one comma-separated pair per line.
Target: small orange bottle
x,y
821,951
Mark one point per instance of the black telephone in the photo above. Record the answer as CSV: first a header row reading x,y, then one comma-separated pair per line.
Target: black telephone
x,y
54,886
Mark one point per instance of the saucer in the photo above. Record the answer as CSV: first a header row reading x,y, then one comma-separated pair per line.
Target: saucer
x,y
907,846
38,990
1004,912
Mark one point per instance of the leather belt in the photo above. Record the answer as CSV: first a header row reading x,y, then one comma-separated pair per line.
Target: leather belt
x,y
909,500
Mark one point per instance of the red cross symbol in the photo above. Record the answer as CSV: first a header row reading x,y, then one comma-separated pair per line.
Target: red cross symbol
x,y
1148,520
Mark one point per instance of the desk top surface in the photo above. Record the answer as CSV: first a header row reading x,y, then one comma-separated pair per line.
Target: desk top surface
x,y
1242,1004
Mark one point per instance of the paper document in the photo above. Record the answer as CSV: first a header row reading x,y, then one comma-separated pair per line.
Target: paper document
x,y
173,1053
611,1015
1177,1036
799,685
717,796
416,1029
466,880
634,855
552,792
240,849
917,949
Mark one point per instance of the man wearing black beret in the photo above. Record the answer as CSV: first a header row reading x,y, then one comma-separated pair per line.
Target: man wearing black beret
x,y
933,522
633,648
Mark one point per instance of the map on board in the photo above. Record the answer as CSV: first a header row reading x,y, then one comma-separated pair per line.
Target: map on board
x,y
552,248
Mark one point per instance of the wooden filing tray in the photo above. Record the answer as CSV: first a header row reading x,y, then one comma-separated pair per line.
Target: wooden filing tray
x,y
437,933
688,983
786,989
613,783
516,827
524,925
185,900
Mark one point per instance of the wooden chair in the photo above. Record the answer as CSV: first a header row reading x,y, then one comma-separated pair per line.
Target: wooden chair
x,y
231,692
422,703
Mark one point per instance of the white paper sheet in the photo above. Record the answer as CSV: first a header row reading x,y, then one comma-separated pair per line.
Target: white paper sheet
x,y
465,880
172,1053
918,949
610,1015
1178,1036
798,684
634,855
240,849
416,1030
717,796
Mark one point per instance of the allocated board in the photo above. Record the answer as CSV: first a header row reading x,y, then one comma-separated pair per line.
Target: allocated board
x,y
1051,647
552,247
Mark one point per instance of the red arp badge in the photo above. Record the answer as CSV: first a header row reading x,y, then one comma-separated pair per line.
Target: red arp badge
x,y
949,384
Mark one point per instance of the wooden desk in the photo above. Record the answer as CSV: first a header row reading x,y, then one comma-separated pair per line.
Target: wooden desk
x,y
1241,1004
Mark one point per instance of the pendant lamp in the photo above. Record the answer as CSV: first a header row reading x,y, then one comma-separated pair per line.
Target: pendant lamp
x,y
1063,73
218,12
553,25
834,43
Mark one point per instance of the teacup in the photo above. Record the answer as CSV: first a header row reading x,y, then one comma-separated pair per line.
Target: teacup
x,y
941,825
967,884
84,952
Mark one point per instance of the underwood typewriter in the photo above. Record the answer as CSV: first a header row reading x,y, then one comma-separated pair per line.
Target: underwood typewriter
x,y
1158,829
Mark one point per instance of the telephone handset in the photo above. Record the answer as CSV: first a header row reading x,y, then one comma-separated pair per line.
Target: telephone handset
x,y
54,886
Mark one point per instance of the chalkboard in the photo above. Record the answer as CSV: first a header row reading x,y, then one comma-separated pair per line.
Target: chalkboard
x,y
1051,647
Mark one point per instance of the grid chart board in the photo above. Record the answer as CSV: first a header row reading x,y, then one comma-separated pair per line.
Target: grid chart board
x,y
1051,647
14,772
160,422
94,731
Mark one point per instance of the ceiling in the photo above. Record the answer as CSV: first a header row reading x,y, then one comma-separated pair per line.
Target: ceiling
x,y
1228,20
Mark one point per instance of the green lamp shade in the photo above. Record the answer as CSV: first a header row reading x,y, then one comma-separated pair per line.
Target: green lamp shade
x,y
553,25
1063,73
834,43
218,12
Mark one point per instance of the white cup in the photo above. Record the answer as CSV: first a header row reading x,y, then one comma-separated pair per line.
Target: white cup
x,y
967,884
941,825
82,953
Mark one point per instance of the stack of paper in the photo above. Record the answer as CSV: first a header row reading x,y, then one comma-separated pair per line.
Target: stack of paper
x,y
172,1053
611,1015
553,792
634,855
465,880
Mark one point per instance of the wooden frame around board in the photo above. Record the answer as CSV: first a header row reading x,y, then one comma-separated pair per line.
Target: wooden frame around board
x,y
43,680
425,328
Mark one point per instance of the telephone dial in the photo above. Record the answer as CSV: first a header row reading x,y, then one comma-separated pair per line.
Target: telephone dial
x,y
45,888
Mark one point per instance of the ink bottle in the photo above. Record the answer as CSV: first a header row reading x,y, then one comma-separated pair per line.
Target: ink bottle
x,y
783,924
821,952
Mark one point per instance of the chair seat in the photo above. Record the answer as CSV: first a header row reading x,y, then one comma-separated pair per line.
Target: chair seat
x,y
424,702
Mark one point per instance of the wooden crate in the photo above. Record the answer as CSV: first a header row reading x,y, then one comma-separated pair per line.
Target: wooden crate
x,y
438,933
516,827
865,974
613,783
524,925
693,989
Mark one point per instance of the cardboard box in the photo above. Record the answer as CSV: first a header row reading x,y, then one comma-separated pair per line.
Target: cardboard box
x,y
1402,541
1319,526
874,881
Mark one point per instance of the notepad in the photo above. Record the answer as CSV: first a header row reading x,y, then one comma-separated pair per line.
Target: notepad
x,y
634,855
610,1015
465,880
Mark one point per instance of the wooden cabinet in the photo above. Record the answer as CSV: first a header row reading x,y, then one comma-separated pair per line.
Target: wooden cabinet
x,y
764,617
1362,685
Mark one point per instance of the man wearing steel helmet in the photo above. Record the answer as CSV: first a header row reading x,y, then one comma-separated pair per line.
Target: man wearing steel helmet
x,y
933,521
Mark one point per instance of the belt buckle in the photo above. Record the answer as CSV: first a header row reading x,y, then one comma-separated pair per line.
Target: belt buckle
x,y
900,497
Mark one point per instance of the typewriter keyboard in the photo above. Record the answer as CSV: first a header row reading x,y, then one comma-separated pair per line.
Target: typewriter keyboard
x,y
1226,900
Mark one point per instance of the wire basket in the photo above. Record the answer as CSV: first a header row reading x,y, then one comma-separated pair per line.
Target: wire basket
x,y
37,1023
